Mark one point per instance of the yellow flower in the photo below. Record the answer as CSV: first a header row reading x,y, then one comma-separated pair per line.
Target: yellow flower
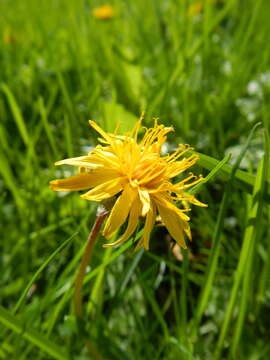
x,y
8,37
104,12
138,178
195,8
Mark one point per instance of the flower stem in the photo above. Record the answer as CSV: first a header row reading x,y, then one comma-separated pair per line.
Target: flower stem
x,y
85,261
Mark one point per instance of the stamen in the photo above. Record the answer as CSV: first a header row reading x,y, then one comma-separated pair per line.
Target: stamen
x,y
178,154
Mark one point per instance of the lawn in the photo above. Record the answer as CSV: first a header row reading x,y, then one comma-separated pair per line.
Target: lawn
x,y
202,67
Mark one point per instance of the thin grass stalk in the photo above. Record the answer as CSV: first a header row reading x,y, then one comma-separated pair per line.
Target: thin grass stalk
x,y
183,294
247,246
256,234
31,335
264,278
215,251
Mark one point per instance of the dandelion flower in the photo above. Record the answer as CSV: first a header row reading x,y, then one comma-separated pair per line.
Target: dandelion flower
x,y
8,37
195,8
137,178
104,12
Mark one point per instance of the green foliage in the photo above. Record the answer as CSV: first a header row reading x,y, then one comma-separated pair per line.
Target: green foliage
x,y
208,75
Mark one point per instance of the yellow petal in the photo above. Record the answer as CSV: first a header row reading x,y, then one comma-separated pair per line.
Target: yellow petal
x,y
106,157
193,200
145,199
85,161
177,167
84,180
133,220
161,200
78,182
120,211
173,223
105,135
149,223
187,230
105,190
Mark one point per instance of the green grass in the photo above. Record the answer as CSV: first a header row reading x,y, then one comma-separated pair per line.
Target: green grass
x,y
208,76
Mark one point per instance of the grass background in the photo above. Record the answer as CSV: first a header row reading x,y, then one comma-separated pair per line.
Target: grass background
x,y
203,67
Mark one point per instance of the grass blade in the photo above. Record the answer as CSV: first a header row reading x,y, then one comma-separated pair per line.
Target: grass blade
x,y
17,115
10,181
211,176
249,238
31,335
215,250
255,217
243,179
40,269
44,119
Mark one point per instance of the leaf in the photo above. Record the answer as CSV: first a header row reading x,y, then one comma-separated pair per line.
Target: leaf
x,y
31,335
115,116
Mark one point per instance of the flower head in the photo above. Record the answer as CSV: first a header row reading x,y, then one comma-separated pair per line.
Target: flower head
x,y
139,179
104,12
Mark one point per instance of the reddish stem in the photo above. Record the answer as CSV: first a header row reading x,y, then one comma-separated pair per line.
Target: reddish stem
x,y
85,261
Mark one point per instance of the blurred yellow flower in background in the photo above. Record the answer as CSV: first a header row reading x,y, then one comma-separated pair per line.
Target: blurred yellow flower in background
x,y
136,176
195,8
104,12
8,37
